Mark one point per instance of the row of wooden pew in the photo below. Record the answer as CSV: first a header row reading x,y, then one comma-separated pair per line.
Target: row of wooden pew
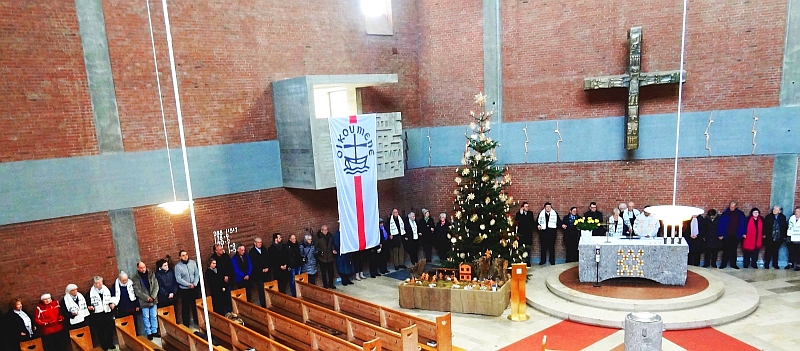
x,y
432,335
318,319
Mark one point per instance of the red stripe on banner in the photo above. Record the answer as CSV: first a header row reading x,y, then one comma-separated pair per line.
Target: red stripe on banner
x,y
362,234
353,119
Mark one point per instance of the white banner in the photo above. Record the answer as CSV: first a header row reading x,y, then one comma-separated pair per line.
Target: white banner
x,y
354,154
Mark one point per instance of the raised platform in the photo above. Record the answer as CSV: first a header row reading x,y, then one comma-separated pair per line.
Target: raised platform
x,y
637,294
710,298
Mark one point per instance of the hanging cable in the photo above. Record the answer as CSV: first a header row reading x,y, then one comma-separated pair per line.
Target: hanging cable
x,y
161,103
183,152
680,104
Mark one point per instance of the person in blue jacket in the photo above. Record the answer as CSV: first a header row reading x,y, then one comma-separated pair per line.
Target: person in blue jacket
x,y
344,262
242,269
731,227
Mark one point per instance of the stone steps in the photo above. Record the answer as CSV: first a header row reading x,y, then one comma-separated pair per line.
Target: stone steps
x,y
725,300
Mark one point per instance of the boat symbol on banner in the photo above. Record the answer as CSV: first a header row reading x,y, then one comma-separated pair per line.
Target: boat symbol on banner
x,y
353,163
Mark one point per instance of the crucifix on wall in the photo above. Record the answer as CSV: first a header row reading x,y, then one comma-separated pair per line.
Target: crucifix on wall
x,y
633,79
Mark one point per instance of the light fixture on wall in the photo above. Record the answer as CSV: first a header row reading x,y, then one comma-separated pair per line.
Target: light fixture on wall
x,y
674,215
175,206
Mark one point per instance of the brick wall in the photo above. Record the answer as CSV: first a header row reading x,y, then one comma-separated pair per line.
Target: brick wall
x,y
702,182
258,213
228,54
450,60
45,105
45,256
733,58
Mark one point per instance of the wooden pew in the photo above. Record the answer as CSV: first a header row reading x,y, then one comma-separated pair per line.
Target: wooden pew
x,y
177,337
237,336
290,332
81,340
438,333
354,329
126,335
31,345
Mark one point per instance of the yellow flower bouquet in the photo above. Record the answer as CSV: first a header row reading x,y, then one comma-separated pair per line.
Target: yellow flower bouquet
x,y
587,223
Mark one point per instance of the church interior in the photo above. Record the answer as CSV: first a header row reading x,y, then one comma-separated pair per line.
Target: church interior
x,y
111,108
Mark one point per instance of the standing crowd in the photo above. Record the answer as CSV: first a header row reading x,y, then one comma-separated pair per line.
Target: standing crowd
x,y
146,290
706,235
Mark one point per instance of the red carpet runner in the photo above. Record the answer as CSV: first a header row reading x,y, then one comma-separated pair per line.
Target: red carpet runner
x,y
571,336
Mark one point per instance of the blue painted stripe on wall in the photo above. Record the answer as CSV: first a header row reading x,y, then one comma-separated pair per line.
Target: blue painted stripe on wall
x,y
601,139
35,190
417,143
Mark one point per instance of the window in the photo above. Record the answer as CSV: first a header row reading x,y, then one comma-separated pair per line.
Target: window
x,y
378,16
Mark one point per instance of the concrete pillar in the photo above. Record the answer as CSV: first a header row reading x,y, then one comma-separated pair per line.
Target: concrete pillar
x,y
98,73
790,82
94,41
784,181
126,242
492,58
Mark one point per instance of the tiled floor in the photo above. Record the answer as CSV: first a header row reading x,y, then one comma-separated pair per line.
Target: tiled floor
x,y
773,326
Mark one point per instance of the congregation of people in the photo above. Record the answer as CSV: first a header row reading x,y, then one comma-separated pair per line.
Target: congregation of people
x,y
706,235
142,292
402,239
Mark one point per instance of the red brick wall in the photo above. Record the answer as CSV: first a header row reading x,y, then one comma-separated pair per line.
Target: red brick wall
x,y
45,105
45,256
734,54
702,182
227,56
450,60
258,213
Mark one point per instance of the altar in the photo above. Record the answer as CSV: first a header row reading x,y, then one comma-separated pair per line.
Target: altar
x,y
640,258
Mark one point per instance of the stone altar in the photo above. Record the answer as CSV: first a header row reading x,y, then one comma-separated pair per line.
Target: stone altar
x,y
639,258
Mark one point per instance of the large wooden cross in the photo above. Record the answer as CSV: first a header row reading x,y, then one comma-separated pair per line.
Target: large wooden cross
x,y
633,79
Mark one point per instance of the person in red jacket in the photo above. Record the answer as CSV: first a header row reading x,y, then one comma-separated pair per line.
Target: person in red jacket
x,y
51,323
751,241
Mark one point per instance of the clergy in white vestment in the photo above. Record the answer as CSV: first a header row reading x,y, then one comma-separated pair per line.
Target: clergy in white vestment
x,y
647,225
616,224
629,215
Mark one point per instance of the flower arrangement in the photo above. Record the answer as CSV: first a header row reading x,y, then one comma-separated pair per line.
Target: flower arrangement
x,y
587,223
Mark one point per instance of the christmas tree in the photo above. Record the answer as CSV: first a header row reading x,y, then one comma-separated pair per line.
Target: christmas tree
x,y
482,222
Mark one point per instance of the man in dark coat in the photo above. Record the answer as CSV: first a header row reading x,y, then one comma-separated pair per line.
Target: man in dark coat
x,y
571,234
525,224
224,264
594,213
378,255
427,239
325,256
731,227
412,237
443,243
712,242
693,230
775,228
279,257
261,271
548,223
